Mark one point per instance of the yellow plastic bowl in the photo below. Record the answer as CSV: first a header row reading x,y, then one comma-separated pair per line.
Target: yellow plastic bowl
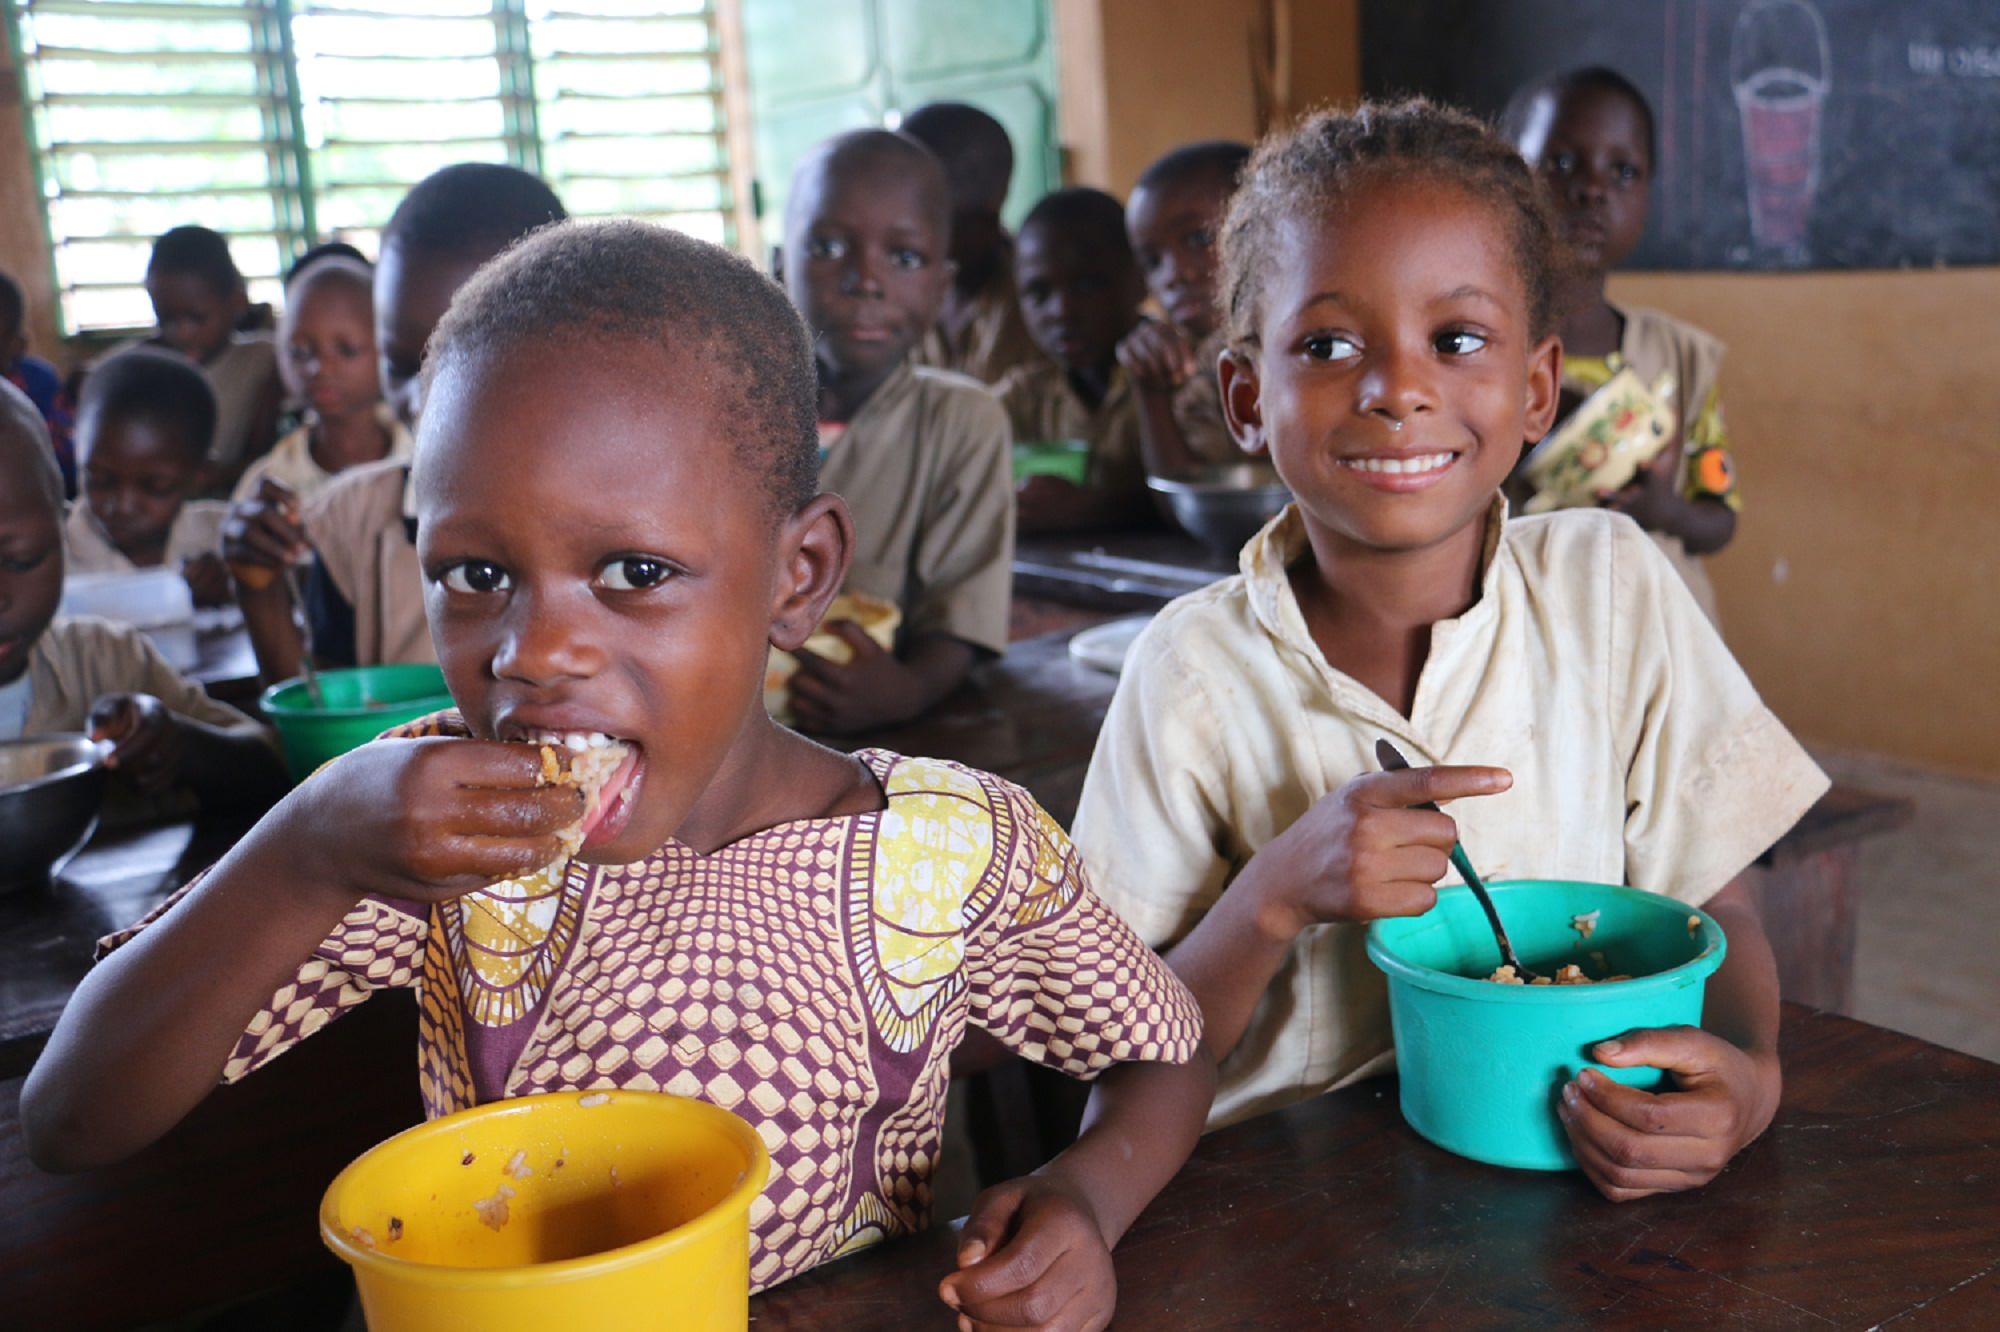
x,y
573,1209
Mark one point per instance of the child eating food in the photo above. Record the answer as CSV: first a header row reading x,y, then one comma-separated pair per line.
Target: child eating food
x,y
617,520
142,432
1388,285
1080,293
1175,218
80,673
920,455
1589,134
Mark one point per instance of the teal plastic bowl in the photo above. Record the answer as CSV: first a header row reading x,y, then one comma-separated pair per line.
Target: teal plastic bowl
x,y
1066,458
361,703
1481,1065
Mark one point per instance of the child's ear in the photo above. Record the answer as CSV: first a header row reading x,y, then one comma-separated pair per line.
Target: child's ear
x,y
815,547
1545,367
1242,406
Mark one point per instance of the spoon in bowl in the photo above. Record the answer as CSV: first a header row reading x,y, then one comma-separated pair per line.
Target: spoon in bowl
x,y
1392,760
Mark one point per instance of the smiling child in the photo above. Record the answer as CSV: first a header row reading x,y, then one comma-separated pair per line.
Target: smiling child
x,y
1589,135
1175,220
1080,293
617,520
1388,279
920,455
142,433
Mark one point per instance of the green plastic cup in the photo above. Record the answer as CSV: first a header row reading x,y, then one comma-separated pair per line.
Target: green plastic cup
x,y
361,703
1481,1065
1066,458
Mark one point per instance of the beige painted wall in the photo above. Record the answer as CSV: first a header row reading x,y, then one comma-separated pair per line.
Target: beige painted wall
x,y
1863,589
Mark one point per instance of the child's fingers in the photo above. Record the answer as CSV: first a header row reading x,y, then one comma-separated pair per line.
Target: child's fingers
x,y
1697,1116
496,764
113,717
1395,828
464,862
1631,1154
1416,786
1058,1301
1688,1052
533,814
857,638
991,1220
1616,1182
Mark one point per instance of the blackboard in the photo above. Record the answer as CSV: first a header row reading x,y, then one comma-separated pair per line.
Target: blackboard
x,y
1873,125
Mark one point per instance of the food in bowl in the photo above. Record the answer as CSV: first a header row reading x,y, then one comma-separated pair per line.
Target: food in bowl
x,y
878,618
1569,973
588,763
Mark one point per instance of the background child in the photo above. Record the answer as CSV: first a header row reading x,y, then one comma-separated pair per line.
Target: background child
x,y
978,328
1589,134
921,456
81,673
363,589
1175,219
143,429
199,298
1080,293
36,378
326,342
1389,281
617,520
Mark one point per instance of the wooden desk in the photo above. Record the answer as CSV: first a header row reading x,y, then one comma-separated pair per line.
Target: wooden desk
x,y
1875,1196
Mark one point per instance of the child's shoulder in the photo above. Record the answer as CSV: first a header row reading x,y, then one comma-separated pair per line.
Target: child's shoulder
x,y
957,401
361,489
1592,563
953,805
1645,326
98,656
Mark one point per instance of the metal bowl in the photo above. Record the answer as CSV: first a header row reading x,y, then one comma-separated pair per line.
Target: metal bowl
x,y
51,788
1223,506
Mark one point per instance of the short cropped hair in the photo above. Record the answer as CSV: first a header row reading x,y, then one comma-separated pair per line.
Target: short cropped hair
x,y
1218,160
978,156
1513,122
333,268
471,208
13,307
621,280
324,250
198,252
1082,214
157,386
25,435
864,149
1313,167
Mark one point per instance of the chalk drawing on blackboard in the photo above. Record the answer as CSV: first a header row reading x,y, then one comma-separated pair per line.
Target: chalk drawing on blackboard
x,y
1781,73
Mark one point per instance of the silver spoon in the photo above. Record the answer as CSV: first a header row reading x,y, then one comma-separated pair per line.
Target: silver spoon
x,y
306,666
1392,760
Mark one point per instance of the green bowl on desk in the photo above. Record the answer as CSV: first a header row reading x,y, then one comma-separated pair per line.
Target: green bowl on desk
x,y
1065,458
1481,1065
359,704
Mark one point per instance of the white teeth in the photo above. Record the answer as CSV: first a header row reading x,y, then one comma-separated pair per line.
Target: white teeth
x,y
1423,462
574,741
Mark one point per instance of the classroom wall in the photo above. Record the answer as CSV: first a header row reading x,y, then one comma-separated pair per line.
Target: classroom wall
x,y
1863,589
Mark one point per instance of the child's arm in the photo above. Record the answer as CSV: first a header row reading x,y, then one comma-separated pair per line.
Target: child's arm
x,y
1159,360
230,766
1036,1251
147,1034
875,688
1725,1074
1359,854
1653,500
261,537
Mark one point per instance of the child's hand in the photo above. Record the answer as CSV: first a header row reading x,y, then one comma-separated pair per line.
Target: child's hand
x,y
1157,357
1633,1143
873,689
208,578
429,819
263,534
1032,1255
1362,852
1652,498
147,741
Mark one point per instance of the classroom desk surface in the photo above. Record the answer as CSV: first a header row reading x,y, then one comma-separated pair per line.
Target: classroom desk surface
x,y
1138,570
1875,1196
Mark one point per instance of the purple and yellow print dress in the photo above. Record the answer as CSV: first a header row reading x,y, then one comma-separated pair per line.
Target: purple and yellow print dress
x,y
813,978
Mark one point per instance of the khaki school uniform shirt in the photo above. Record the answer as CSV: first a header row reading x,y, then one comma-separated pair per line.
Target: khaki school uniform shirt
x,y
1640,753
291,461
1041,405
197,530
1198,408
992,340
80,658
926,466
356,524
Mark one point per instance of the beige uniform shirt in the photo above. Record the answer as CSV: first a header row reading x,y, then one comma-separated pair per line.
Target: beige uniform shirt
x,y
197,530
926,466
291,462
356,524
1041,405
1640,752
80,658
242,374
1198,408
992,340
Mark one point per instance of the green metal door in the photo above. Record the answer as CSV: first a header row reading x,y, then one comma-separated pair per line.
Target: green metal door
x,y
818,67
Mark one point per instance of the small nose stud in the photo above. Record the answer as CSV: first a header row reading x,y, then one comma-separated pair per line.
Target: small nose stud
x,y
1394,424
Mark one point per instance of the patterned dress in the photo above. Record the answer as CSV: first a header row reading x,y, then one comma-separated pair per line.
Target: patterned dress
x,y
813,978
